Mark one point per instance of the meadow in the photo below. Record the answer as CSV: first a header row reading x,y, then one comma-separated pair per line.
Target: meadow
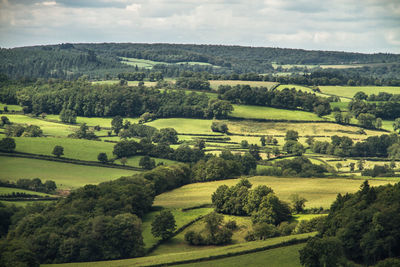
x,y
10,190
320,192
49,128
93,121
66,176
350,91
11,108
168,259
181,125
268,113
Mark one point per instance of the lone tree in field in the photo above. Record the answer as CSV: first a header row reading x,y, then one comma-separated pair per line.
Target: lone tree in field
x,y
263,140
58,151
117,124
163,225
298,203
291,135
7,144
102,157
123,160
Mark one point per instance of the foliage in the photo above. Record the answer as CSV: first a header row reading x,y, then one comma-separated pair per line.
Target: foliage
x,y
318,252
147,163
7,144
58,151
219,127
163,225
67,116
102,157
298,203
378,171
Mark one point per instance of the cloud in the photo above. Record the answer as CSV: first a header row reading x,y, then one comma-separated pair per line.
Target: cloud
x,y
346,25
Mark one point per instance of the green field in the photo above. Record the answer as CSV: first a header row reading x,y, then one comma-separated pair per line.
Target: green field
x,y
215,83
299,87
49,128
344,106
167,259
181,218
64,174
258,112
93,121
350,91
9,190
194,126
320,192
11,108
277,257
141,63
73,148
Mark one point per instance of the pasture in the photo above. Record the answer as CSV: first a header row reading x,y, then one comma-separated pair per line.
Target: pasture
x,y
320,192
350,91
10,108
181,125
268,113
49,128
168,259
10,190
284,256
92,121
67,176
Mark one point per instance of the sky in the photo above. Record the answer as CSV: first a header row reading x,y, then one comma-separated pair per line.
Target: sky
x,y
367,26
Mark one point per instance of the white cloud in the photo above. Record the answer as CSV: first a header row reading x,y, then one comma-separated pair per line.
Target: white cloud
x,y
349,25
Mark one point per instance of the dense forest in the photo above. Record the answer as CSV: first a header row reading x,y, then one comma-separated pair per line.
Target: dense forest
x,y
70,61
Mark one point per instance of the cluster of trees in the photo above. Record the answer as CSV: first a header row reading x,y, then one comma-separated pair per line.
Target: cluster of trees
x,y
219,127
296,167
385,110
7,144
379,171
361,227
286,98
140,76
225,166
381,96
80,98
215,231
261,203
374,146
32,184
17,130
192,83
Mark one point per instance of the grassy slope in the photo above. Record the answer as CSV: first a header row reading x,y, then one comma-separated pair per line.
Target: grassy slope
x,y
49,128
93,121
168,258
277,257
194,126
10,107
181,218
350,91
258,112
9,190
64,174
318,191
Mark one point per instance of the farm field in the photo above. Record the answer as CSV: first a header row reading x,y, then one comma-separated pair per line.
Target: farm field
x,y
181,125
285,256
350,91
93,121
66,176
268,113
215,83
167,259
320,192
181,219
73,148
9,190
49,128
11,108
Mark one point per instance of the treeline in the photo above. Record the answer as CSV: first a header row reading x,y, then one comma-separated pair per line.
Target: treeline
x,y
386,110
35,184
297,167
373,146
286,98
140,76
361,227
84,99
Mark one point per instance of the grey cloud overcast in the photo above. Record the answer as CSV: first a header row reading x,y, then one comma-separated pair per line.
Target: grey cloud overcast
x,y
345,25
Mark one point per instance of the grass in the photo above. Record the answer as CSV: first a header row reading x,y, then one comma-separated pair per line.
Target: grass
x,y
134,161
193,126
10,107
141,63
350,91
49,128
93,121
73,148
258,112
299,87
320,192
214,84
167,259
9,190
343,106
181,218
277,257
64,174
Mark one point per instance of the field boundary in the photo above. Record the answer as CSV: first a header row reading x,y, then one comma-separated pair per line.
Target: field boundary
x,y
68,160
290,242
